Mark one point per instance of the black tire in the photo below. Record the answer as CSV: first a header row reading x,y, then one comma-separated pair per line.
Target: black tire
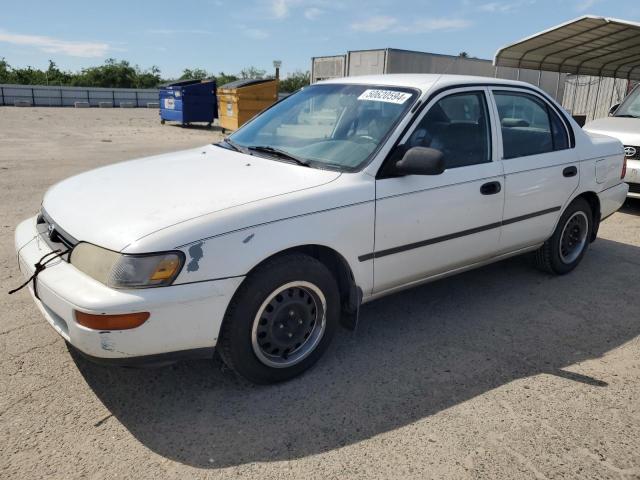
x,y
551,257
236,343
162,122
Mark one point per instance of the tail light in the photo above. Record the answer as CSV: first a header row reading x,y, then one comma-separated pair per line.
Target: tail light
x,y
624,168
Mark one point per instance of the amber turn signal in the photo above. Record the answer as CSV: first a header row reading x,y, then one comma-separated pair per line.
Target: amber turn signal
x,y
111,322
166,269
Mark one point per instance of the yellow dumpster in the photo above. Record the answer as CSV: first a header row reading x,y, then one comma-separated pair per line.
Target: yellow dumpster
x,y
240,101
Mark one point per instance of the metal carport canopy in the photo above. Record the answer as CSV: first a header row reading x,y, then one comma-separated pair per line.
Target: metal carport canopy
x,y
589,45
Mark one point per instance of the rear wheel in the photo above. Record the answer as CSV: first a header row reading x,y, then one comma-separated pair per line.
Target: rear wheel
x,y
564,250
281,319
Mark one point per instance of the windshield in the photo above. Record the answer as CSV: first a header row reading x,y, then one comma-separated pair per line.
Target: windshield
x,y
631,105
331,125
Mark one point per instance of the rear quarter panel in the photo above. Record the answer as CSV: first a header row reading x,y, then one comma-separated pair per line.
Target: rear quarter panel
x,y
602,158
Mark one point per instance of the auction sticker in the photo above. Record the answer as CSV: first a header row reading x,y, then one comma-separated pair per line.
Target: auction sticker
x,y
388,96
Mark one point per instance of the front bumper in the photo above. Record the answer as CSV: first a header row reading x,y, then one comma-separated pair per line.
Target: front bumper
x,y
633,178
183,317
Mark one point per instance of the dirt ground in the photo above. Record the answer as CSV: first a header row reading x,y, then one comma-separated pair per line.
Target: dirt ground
x,y
502,372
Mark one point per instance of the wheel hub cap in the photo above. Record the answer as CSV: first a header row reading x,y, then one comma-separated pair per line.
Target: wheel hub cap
x,y
289,324
574,237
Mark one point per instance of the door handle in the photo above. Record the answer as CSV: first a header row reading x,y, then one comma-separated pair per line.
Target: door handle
x,y
570,171
490,188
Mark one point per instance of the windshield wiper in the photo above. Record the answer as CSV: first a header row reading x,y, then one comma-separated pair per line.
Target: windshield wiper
x,y
279,153
626,115
231,144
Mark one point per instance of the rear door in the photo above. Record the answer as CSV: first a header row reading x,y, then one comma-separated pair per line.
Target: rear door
x,y
426,225
540,166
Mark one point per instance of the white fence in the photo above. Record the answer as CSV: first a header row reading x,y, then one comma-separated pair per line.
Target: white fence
x,y
51,96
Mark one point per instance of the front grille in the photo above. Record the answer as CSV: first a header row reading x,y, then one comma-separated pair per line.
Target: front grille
x,y
635,155
634,188
53,234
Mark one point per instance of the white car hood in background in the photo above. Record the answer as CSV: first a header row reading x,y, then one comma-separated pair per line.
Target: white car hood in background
x,y
115,205
627,130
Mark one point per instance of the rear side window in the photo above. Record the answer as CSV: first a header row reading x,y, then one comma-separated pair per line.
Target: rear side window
x,y
528,125
458,126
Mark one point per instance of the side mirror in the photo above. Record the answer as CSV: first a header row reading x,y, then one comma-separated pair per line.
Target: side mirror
x,y
613,109
421,161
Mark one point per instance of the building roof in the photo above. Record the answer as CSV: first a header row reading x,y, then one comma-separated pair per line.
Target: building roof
x,y
588,45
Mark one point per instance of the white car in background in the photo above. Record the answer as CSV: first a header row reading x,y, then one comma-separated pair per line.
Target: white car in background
x,y
624,124
346,191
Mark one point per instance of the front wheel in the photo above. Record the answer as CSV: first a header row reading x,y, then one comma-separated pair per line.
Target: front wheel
x,y
281,319
564,250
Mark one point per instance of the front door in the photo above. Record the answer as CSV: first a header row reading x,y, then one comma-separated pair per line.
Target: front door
x,y
427,225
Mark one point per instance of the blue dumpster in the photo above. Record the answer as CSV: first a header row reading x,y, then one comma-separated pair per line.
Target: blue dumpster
x,y
189,101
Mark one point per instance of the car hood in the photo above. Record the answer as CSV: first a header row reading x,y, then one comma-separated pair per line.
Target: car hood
x,y
627,130
116,205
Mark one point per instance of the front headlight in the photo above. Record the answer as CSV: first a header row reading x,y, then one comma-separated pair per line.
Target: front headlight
x,y
119,270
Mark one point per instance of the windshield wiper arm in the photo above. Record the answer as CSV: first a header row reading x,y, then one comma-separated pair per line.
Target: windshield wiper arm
x,y
232,144
279,153
626,115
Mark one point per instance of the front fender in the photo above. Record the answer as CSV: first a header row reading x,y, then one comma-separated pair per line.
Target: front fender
x,y
347,230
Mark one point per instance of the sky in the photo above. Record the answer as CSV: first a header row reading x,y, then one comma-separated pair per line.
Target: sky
x,y
227,35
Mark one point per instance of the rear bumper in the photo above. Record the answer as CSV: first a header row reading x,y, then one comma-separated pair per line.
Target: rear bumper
x,y
183,318
612,199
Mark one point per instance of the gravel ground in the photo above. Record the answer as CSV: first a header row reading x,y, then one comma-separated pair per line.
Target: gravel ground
x,y
502,372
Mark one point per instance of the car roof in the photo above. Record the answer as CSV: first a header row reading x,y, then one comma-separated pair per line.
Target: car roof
x,y
423,81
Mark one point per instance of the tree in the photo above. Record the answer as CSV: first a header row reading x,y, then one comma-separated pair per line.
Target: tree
x,y
194,74
463,55
29,76
6,72
295,81
55,76
113,74
252,72
148,78
223,78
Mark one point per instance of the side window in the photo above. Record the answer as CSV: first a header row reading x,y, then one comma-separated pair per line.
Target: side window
x,y
528,126
458,126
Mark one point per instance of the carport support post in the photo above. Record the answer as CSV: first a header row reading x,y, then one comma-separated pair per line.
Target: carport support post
x,y
595,105
613,90
589,95
575,94
33,97
137,104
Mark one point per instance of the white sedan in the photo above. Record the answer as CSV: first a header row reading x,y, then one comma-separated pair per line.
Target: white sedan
x,y
351,189
623,123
